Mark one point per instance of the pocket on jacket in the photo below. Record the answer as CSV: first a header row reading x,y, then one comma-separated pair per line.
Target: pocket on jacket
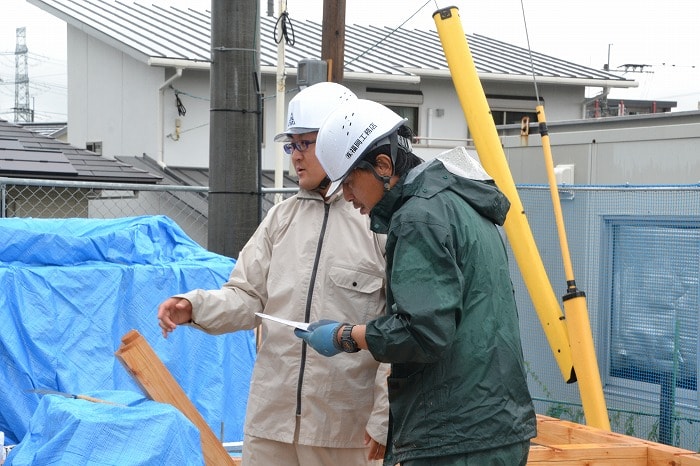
x,y
354,289
408,410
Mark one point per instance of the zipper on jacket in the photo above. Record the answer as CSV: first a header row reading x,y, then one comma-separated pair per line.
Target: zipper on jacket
x,y
309,296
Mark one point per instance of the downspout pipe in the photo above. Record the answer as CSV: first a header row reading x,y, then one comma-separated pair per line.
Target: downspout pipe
x,y
161,109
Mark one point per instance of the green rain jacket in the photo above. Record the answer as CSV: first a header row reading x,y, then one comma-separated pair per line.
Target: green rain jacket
x,y
451,334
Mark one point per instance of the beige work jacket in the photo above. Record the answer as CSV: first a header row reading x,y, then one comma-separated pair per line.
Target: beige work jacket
x,y
308,260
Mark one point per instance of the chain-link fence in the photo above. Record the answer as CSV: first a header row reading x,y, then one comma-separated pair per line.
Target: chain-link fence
x,y
635,251
187,205
636,254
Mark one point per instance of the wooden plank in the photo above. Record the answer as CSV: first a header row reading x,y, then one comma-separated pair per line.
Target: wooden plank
x,y
565,443
149,372
664,455
589,455
552,431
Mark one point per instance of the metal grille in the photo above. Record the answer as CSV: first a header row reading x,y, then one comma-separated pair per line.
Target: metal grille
x,y
636,254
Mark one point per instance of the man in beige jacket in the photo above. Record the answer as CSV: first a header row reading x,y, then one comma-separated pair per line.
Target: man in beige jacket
x,y
311,258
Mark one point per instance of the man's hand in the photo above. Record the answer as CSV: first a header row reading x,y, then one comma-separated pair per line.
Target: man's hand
x,y
322,336
173,312
375,449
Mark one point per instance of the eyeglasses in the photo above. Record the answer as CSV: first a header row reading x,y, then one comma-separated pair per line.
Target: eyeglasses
x,y
301,146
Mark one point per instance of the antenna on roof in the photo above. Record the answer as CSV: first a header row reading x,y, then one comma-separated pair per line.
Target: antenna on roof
x,y
635,68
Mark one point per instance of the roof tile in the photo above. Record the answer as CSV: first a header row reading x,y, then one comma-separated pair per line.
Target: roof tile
x,y
30,154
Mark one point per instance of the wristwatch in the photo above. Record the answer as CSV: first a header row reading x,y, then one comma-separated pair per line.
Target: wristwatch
x,y
347,343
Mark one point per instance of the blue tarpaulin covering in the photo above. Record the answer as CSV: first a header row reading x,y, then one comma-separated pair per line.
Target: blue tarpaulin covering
x,y
136,432
71,288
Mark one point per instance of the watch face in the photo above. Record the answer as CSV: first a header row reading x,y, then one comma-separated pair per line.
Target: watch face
x,y
346,342
348,347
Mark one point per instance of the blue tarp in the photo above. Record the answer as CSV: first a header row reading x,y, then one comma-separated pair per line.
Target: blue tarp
x,y
70,289
138,432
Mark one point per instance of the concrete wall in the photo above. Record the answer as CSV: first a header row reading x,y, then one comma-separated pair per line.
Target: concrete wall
x,y
639,149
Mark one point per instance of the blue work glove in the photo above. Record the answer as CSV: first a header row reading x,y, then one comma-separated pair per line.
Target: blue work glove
x,y
322,336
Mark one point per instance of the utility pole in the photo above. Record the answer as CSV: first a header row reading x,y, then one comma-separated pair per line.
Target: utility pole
x,y
333,38
22,110
235,128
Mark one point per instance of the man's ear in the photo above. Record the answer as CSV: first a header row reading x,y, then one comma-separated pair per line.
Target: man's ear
x,y
384,165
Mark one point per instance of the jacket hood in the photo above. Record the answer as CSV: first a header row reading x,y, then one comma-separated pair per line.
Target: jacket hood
x,y
456,170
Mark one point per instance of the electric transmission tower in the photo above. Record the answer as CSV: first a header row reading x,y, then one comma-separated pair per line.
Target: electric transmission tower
x,y
22,110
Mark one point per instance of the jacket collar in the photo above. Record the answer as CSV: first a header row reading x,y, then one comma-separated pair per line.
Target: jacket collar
x,y
380,215
430,178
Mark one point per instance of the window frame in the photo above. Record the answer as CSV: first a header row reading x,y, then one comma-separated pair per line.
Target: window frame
x,y
631,387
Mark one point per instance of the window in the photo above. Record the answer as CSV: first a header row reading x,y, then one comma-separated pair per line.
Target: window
x,y
405,102
410,113
502,117
654,306
95,146
508,110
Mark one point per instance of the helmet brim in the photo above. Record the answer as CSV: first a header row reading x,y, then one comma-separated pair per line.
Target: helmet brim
x,y
287,135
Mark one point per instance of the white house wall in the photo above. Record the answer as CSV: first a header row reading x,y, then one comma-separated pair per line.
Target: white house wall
x,y
191,147
112,98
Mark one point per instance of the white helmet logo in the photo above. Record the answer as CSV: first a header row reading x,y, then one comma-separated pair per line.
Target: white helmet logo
x,y
358,142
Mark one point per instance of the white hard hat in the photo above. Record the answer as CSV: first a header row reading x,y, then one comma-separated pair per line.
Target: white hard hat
x,y
351,131
310,107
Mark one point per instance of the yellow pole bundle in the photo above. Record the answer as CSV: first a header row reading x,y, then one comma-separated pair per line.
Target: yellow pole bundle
x,y
488,146
581,362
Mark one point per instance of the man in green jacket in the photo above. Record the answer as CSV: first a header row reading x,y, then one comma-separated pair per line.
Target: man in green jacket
x,y
457,390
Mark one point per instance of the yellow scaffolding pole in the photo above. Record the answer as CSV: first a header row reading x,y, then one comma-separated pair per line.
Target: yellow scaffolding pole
x,y
492,156
488,146
575,308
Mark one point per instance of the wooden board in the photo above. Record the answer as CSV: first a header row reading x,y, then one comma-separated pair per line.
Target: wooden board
x,y
560,443
564,443
149,372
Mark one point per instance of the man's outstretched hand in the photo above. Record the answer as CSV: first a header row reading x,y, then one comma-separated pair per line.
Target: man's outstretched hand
x,y
173,312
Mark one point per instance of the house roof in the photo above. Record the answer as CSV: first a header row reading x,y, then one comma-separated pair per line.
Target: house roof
x,y
29,154
164,36
52,129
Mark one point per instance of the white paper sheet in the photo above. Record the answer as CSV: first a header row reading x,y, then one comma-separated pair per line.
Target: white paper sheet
x,y
291,323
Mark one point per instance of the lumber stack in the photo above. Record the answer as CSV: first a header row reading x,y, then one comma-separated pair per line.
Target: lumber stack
x,y
149,372
564,443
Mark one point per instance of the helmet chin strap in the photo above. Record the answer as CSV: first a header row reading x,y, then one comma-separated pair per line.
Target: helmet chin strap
x,y
384,179
393,149
324,184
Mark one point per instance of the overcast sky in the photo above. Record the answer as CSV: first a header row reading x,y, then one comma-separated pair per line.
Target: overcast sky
x,y
664,35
